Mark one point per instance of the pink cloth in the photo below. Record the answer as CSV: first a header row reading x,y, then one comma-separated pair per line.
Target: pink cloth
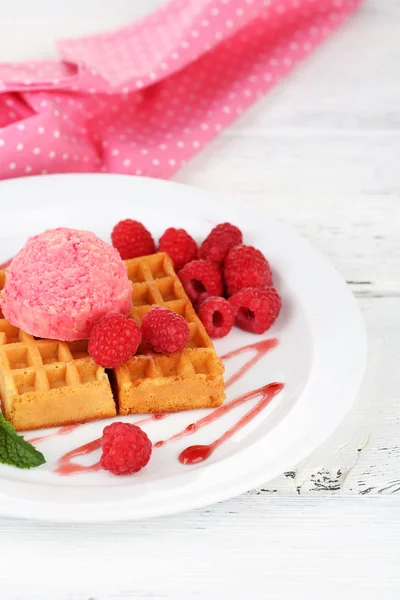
x,y
143,99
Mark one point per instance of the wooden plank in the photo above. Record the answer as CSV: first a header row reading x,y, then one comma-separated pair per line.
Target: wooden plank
x,y
363,456
250,547
340,192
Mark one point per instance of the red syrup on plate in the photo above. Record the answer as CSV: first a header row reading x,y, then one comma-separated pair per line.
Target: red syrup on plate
x,y
261,349
62,431
194,454
66,466
198,453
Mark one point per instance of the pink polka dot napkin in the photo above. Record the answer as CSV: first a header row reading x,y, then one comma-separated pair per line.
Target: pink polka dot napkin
x,y
145,98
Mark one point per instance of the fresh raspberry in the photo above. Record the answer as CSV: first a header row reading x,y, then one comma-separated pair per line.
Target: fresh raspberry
x,y
217,316
219,241
164,330
246,267
256,309
132,239
113,340
126,448
199,277
179,245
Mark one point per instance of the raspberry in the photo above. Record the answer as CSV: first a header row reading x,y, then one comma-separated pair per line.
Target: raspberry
x,y
132,239
256,309
217,316
113,340
164,330
179,245
246,267
126,448
219,241
199,277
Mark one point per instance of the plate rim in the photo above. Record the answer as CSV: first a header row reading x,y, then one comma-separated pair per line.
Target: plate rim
x,y
104,513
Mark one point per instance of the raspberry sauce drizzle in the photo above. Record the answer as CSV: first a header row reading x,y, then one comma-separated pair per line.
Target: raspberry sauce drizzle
x,y
65,466
219,412
261,348
198,453
62,431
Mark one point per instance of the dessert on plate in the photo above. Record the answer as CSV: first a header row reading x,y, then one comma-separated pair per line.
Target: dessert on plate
x,y
86,335
45,383
153,382
48,382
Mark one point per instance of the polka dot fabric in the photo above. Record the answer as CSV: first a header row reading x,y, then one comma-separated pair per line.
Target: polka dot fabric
x,y
142,100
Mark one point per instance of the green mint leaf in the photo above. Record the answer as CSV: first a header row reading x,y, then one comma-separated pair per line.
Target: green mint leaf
x,y
16,451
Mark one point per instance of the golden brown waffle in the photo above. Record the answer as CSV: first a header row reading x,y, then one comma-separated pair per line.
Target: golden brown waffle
x,y
151,382
44,383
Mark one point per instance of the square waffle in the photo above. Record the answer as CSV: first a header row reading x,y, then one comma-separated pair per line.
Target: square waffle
x,y
151,382
45,383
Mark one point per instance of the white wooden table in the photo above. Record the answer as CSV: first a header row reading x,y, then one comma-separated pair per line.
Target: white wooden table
x,y
322,153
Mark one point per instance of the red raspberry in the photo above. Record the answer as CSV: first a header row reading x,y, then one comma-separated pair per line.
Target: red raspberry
x,y
199,277
132,239
217,316
219,241
113,340
126,448
246,267
256,309
164,330
179,245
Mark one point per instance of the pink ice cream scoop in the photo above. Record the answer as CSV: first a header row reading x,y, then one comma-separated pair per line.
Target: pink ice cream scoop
x,y
62,282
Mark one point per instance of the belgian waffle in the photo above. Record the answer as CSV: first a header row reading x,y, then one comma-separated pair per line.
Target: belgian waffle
x,y
151,382
45,383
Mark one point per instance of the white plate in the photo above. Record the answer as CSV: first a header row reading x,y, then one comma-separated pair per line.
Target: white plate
x,y
320,358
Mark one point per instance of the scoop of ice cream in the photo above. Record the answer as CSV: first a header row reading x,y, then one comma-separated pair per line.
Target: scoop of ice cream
x,y
62,282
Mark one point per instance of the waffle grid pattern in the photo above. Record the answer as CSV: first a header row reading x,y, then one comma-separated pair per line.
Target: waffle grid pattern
x,y
154,282
37,376
41,365
31,368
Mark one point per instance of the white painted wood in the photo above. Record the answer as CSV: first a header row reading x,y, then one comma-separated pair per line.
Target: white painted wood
x,y
363,456
340,191
321,153
251,547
